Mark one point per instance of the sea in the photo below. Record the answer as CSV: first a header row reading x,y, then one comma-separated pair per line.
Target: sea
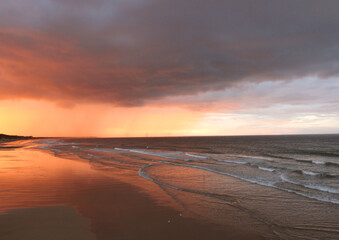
x,y
288,183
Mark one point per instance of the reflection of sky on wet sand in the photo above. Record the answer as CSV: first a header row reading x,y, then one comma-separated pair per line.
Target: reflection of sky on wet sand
x,y
32,178
131,189
116,201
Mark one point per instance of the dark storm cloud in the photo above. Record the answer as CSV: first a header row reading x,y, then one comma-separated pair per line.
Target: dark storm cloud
x,y
132,51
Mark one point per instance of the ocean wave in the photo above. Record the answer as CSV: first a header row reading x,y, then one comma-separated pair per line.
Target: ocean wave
x,y
322,198
166,155
317,162
163,154
262,182
310,186
320,153
323,175
316,197
325,163
246,160
322,188
332,164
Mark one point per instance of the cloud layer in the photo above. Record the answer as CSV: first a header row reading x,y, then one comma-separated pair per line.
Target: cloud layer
x,y
131,52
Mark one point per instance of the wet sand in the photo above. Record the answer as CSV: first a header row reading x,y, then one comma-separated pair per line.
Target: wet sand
x,y
48,197
51,223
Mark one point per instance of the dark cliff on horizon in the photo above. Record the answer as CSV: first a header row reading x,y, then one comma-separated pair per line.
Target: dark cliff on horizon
x,y
13,137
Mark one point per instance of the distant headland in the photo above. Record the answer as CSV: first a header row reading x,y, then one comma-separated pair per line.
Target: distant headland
x,y
4,137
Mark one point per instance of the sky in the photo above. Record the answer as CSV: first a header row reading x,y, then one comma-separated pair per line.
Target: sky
x,y
124,68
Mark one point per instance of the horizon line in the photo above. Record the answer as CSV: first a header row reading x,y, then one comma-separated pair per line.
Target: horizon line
x,y
192,136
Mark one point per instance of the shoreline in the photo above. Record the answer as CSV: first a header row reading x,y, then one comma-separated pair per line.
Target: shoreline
x,y
171,199
116,209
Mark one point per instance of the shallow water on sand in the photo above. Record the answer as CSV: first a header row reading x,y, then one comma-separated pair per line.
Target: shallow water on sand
x,y
217,186
36,187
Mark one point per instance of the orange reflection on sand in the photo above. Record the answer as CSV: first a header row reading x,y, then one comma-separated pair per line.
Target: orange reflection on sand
x,y
32,178
28,177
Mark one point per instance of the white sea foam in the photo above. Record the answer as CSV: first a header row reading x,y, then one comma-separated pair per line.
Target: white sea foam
x,y
317,197
257,180
318,162
143,174
310,173
311,186
322,188
157,154
263,182
230,161
267,169
196,156
121,149
268,184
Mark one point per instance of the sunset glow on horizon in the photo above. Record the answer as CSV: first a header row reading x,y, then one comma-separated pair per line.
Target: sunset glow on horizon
x,y
164,68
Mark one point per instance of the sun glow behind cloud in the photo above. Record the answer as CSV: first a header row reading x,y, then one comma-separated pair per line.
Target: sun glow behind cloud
x,y
221,114
98,120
